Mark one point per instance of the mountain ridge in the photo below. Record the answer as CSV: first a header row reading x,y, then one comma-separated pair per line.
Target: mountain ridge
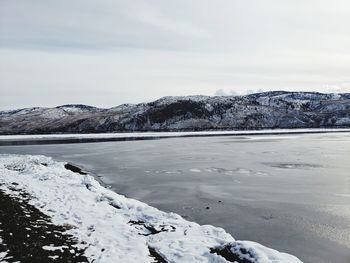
x,y
266,110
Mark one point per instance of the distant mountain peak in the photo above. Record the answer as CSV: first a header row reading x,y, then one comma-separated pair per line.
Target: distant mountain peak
x,y
77,106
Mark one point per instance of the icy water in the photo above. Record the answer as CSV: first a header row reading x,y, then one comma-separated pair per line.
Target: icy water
x,y
288,192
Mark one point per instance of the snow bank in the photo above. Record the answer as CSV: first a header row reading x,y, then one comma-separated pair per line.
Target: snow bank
x,y
113,228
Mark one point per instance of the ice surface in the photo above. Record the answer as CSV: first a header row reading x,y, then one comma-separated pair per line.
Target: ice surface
x,y
126,135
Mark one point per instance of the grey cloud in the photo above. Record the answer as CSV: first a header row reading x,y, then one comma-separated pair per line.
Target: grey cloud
x,y
88,24
198,25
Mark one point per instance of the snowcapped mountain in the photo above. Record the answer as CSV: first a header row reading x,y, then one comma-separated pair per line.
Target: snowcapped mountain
x,y
277,109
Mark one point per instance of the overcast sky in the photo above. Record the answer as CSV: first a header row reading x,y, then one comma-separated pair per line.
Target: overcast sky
x,y
109,52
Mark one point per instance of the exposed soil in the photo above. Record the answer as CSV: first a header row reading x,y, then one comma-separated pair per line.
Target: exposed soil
x,y
24,231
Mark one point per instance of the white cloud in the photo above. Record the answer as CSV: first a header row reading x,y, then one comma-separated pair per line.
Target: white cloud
x,y
338,87
222,92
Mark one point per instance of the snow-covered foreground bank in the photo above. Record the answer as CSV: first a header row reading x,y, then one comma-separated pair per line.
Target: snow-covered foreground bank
x,y
113,228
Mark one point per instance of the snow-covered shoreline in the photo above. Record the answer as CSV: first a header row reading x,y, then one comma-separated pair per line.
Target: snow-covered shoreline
x,y
113,228
150,135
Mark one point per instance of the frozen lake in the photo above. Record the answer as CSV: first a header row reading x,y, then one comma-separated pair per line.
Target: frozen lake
x,y
288,192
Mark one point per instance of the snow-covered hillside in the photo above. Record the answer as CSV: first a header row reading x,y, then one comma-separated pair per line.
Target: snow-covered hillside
x,y
267,110
109,227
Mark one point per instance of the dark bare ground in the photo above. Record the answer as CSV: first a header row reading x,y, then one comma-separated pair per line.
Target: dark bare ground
x,y
25,230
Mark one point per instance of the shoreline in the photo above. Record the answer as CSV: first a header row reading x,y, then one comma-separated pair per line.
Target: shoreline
x,y
75,168
6,140
123,228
